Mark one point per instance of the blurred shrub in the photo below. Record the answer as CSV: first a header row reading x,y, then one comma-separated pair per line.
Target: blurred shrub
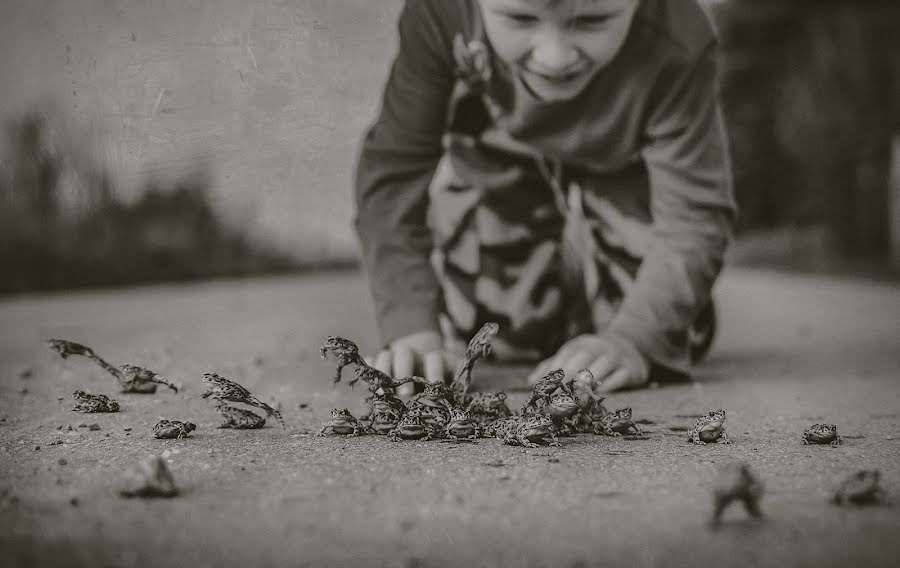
x,y
62,225
811,94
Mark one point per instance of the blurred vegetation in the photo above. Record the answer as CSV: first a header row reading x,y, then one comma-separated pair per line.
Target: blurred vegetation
x,y
63,226
811,93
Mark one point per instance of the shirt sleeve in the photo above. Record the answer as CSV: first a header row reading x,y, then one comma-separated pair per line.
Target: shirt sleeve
x,y
398,158
693,210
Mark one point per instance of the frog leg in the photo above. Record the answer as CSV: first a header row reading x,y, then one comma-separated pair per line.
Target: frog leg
x,y
695,437
524,442
805,440
837,441
321,432
723,439
637,429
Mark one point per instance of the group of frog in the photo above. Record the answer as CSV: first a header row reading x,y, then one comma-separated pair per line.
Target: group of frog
x,y
556,408
135,379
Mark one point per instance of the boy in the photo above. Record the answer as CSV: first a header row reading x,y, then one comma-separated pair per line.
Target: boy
x,y
556,166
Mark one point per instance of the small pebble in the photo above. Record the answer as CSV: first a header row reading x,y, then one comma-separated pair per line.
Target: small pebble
x,y
74,501
94,427
36,448
23,390
59,427
56,443
62,461
128,429
553,460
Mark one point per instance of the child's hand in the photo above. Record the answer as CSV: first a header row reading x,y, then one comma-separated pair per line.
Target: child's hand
x,y
615,362
419,353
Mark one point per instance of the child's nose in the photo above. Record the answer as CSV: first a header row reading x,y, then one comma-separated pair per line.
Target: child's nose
x,y
553,53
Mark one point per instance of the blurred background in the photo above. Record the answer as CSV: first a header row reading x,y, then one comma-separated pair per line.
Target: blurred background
x,y
152,141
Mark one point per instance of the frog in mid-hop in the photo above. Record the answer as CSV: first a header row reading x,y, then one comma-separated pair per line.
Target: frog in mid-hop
x,y
709,428
736,482
861,488
616,423
822,434
342,423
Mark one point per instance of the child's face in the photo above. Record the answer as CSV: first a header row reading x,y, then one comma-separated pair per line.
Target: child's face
x,y
556,46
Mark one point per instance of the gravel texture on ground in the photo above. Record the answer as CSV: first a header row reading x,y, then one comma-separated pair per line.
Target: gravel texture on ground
x,y
793,350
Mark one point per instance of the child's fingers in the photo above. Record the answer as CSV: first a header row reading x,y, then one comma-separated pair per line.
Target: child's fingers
x,y
404,360
541,370
577,361
619,379
383,362
434,367
603,366
406,389
451,361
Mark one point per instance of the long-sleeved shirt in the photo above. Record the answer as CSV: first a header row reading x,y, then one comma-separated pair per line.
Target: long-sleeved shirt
x,y
654,103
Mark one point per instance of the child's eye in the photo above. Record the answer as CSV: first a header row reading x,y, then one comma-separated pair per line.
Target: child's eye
x,y
521,19
590,21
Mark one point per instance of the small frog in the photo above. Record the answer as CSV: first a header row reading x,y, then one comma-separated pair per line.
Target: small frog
x,y
412,427
485,407
709,428
461,425
861,488
590,406
616,423
546,386
386,402
222,389
88,403
561,407
169,429
383,422
437,417
150,478
822,434
434,394
239,418
346,351
736,482
342,423
530,432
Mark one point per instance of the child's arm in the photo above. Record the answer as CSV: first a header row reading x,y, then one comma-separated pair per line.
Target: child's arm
x,y
693,213
397,161
693,209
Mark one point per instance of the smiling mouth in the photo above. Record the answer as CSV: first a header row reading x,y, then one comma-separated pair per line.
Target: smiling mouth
x,y
559,78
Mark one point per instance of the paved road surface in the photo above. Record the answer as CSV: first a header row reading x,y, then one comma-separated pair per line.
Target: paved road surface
x,y
793,350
